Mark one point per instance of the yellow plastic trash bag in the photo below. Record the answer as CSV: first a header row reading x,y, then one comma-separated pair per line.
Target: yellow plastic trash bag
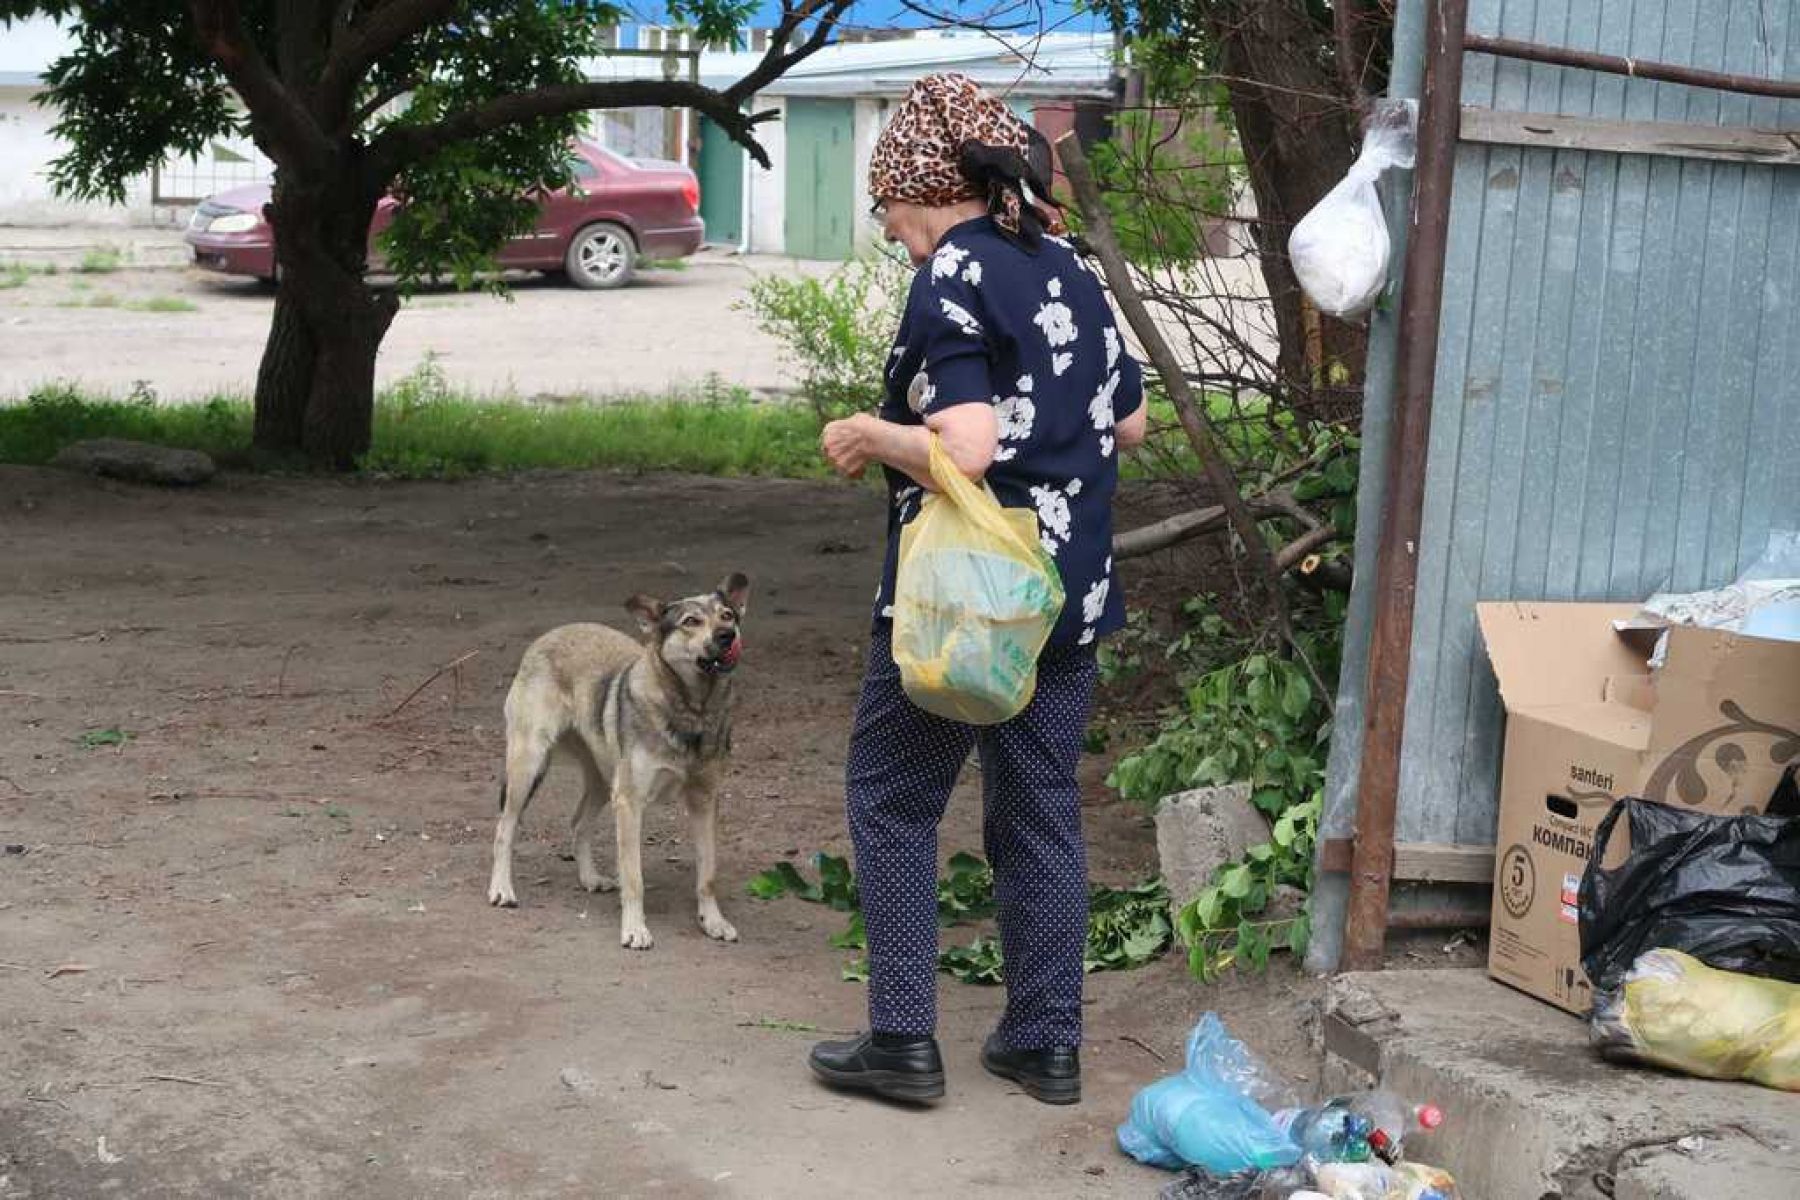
x,y
1377,1181
1674,1011
975,599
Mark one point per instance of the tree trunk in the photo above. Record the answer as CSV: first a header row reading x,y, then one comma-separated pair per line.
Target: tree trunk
x,y
315,391
284,381
1298,135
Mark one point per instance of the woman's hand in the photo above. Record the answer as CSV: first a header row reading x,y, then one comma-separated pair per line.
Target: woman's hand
x,y
847,444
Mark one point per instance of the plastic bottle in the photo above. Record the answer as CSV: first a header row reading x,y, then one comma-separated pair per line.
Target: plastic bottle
x,y
1329,1132
1391,1120
1357,1128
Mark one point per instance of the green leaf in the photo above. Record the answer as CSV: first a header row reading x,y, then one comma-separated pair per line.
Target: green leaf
x,y
94,739
853,937
1296,697
767,886
1235,882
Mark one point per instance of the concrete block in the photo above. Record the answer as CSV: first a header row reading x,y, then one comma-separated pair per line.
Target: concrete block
x,y
1198,831
1531,1113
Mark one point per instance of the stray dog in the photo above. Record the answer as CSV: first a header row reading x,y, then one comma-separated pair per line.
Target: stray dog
x,y
643,719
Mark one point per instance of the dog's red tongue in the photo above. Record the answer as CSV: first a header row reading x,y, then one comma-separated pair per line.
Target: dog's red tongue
x,y
730,658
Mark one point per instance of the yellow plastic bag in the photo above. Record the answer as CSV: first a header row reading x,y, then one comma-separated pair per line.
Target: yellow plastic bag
x,y
975,599
1674,1011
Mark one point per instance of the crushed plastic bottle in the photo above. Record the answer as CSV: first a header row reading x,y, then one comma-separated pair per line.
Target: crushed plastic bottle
x,y
1357,1128
1329,1132
1392,1120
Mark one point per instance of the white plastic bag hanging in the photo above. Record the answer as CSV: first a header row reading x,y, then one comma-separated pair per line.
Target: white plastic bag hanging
x,y
1340,249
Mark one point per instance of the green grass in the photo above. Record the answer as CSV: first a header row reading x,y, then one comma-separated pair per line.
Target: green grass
x,y
155,304
103,300
18,274
420,434
163,304
102,260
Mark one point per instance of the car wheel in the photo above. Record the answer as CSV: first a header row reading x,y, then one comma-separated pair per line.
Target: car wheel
x,y
601,256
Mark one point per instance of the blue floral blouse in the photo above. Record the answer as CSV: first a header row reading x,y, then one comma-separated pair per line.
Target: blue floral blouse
x,y
1030,332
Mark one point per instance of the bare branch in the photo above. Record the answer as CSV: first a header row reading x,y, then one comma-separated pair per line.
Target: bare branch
x,y
275,112
364,42
382,99
778,60
1218,473
401,145
1303,547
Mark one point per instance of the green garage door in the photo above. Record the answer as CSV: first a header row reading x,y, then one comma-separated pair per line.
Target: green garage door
x,y
721,185
821,185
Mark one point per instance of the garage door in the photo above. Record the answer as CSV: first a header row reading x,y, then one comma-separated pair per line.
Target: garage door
x,y
821,185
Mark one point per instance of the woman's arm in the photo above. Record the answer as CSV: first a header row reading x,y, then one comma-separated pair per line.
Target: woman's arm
x,y
1131,431
970,433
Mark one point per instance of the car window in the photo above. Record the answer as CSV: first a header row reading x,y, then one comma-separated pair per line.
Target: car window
x,y
585,171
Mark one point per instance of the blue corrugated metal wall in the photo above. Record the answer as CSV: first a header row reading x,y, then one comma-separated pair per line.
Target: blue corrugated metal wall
x,y
1617,402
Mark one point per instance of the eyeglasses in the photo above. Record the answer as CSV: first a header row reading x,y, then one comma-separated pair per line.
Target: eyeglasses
x,y
878,211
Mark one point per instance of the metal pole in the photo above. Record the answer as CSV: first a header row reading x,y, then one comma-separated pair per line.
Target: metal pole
x,y
1331,889
1403,502
1612,64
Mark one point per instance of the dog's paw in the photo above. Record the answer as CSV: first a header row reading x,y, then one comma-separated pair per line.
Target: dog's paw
x,y
502,898
717,927
636,937
599,883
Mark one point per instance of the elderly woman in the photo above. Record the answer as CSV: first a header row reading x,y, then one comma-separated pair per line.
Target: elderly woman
x,y
1008,353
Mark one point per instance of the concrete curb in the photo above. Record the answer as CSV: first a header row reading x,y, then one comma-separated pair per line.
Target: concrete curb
x,y
1532,1114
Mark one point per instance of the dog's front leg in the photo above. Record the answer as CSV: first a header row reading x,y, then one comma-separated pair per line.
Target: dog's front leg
x,y
628,814
703,815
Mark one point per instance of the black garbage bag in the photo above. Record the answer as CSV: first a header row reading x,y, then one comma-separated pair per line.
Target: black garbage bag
x,y
1723,889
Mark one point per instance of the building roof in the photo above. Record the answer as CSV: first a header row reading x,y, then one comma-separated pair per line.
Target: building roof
x,y
1053,64
1060,64
1019,17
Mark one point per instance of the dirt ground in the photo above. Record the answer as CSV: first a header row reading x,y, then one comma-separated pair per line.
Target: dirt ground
x,y
672,330
248,952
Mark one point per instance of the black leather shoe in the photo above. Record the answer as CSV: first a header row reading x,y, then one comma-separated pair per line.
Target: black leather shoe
x,y
1052,1075
899,1068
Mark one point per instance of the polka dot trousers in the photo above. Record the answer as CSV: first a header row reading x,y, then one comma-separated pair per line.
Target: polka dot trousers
x,y
903,763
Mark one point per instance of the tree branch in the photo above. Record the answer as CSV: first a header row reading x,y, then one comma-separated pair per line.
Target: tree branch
x,y
777,60
1223,480
382,99
363,44
291,130
401,145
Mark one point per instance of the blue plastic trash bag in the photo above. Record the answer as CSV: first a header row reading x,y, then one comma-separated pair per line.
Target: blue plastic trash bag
x,y
1206,1117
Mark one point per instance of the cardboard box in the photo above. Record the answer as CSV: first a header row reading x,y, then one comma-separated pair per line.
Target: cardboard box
x,y
1589,723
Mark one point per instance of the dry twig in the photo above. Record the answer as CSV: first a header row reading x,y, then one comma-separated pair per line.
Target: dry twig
x,y
452,665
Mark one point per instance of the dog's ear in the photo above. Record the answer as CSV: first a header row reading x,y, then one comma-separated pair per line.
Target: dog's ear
x,y
736,591
647,609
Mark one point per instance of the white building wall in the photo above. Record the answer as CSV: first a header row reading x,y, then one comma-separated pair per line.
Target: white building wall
x,y
27,149
871,118
768,188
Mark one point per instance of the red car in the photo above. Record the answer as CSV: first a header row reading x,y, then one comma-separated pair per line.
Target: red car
x,y
620,211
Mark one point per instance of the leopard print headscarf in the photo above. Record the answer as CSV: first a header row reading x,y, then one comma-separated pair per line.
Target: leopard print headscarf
x,y
951,141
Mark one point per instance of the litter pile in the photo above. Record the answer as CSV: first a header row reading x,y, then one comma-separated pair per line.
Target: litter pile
x,y
1234,1127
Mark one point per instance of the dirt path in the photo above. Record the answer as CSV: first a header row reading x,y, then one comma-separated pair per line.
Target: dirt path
x,y
671,331
291,984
